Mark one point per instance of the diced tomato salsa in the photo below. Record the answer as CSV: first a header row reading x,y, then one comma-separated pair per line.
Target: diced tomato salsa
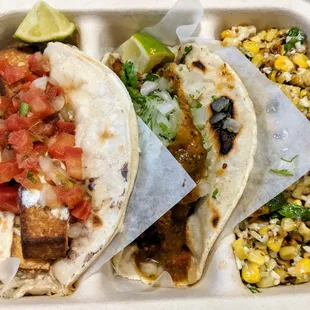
x,y
37,146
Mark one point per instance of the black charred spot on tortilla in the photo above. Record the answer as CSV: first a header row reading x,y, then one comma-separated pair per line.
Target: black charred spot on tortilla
x,y
96,221
224,166
123,193
115,204
124,171
198,64
183,184
91,186
225,137
215,220
88,257
106,134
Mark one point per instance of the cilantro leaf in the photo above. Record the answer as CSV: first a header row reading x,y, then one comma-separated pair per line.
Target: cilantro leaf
x,y
289,160
151,77
294,35
31,178
295,212
214,194
283,172
253,288
209,149
276,203
198,105
129,74
187,50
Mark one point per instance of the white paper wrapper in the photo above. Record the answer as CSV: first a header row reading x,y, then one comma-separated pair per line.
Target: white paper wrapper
x,y
161,183
282,132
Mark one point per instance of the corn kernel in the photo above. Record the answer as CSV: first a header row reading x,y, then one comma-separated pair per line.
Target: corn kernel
x,y
304,231
296,80
256,39
238,247
300,60
258,60
302,268
288,224
271,34
267,281
283,63
296,236
281,78
282,273
297,202
303,93
257,257
251,47
274,244
262,34
290,188
288,252
263,230
250,273
226,34
272,76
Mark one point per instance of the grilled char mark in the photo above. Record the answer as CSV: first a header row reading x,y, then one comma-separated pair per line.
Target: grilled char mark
x,y
225,137
198,64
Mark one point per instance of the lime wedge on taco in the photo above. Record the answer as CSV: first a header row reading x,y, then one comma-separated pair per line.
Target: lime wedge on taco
x,y
145,52
42,24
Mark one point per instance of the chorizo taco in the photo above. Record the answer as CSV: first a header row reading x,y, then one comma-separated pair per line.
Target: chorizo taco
x,y
199,108
69,157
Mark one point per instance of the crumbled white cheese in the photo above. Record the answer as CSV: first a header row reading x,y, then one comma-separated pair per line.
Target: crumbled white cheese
x,y
304,102
267,70
287,76
239,263
275,230
266,55
297,258
258,237
30,198
61,213
274,221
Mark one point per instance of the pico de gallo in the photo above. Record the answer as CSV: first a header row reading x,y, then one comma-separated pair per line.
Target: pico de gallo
x,y
37,140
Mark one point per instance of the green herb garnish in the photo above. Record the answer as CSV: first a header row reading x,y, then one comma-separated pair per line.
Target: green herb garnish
x,y
187,50
214,194
129,74
151,77
283,172
213,97
198,105
295,35
23,108
289,160
276,203
253,289
209,149
31,178
294,211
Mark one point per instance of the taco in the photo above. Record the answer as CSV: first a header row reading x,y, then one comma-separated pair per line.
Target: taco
x,y
199,108
69,157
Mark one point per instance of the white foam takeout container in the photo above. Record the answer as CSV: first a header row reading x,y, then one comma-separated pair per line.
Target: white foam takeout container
x,y
107,24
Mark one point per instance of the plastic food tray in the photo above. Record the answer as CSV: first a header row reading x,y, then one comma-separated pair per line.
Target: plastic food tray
x,y
107,24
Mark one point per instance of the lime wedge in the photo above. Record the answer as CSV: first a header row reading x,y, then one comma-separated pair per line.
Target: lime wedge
x,y
42,24
145,52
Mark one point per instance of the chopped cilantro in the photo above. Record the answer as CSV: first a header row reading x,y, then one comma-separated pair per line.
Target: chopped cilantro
x,y
294,211
209,149
289,160
198,105
23,108
213,97
214,194
187,50
200,127
129,74
294,35
162,126
151,77
276,203
253,288
31,178
283,172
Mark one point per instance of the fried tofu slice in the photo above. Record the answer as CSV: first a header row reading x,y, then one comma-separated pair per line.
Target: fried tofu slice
x,y
29,264
43,236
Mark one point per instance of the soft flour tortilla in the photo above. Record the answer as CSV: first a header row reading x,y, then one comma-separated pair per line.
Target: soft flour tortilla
x,y
107,132
205,75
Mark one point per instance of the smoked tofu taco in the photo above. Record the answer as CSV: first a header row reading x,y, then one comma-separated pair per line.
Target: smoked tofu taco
x,y
199,108
68,161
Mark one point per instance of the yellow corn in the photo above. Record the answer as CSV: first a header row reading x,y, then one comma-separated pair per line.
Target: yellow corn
x,y
256,256
284,64
296,80
302,268
262,34
238,247
258,60
296,236
263,230
288,224
282,32
290,188
271,34
300,60
250,273
274,244
231,41
251,47
297,202
226,34
256,39
272,76
267,281
303,93
281,78
304,231
282,273
288,252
